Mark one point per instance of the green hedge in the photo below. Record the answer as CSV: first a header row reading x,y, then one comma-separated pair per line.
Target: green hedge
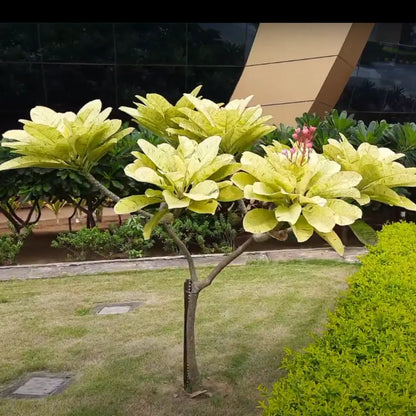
x,y
365,361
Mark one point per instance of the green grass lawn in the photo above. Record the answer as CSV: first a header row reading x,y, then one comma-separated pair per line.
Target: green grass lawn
x,y
131,364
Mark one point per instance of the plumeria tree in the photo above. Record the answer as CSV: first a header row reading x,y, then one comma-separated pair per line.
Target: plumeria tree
x,y
206,161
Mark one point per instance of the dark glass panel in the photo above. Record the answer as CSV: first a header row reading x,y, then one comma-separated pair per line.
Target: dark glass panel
x,y
77,42
377,52
69,87
398,101
386,32
135,80
344,101
367,95
18,42
21,90
218,84
151,43
392,118
251,34
408,34
217,43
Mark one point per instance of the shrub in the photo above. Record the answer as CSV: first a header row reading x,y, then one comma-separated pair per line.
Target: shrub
x,y
205,233
363,363
10,246
125,241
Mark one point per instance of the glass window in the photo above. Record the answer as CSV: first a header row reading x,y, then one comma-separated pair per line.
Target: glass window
x,y
69,87
151,43
21,87
217,83
217,43
408,34
77,42
18,42
135,80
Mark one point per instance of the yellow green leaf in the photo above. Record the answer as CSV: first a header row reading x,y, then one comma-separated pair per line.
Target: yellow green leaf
x,y
230,193
134,202
203,190
288,214
302,229
333,240
203,207
151,224
321,218
259,220
173,201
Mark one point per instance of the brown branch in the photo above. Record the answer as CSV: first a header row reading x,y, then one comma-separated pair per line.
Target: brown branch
x,y
182,247
184,250
107,192
223,263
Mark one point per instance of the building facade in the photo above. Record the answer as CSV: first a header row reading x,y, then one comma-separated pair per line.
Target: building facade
x,y
369,72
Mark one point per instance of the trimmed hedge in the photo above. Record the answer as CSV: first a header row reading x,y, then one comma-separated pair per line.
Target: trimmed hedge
x,y
365,361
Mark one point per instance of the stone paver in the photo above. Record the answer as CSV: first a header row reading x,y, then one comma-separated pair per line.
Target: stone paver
x,y
39,385
116,308
113,310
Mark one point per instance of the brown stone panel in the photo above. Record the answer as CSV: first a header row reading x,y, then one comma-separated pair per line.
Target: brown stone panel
x,y
281,42
337,77
284,113
354,43
285,82
301,67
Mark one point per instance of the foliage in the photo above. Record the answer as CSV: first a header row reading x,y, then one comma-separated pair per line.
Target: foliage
x,y
282,134
364,361
124,241
333,124
205,233
401,138
196,118
11,245
372,134
379,170
64,140
190,176
298,188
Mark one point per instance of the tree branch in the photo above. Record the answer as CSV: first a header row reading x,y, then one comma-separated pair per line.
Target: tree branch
x,y
101,187
223,263
184,250
182,247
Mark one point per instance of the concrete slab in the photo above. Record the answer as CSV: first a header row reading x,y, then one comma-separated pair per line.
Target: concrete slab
x,y
113,310
38,385
117,308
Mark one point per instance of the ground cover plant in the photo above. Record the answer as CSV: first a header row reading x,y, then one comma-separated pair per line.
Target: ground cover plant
x,y
130,364
205,164
364,362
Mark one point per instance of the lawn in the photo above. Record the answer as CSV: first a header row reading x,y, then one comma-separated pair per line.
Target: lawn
x,y
131,364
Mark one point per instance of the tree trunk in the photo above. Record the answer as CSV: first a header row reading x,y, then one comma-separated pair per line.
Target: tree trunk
x,y
191,375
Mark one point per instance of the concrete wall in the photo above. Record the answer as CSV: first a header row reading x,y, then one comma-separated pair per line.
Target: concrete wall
x,y
301,67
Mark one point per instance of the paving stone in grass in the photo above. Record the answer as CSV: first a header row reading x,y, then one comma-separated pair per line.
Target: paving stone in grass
x,y
38,385
117,308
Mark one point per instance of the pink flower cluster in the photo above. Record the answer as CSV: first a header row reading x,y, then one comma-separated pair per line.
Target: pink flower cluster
x,y
302,146
304,137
